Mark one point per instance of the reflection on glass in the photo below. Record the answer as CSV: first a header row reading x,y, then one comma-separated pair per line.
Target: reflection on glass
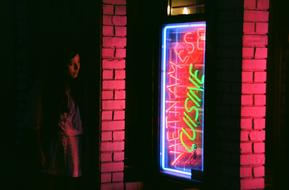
x,y
185,7
182,99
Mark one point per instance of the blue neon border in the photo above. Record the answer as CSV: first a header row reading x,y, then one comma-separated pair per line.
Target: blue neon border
x,y
169,171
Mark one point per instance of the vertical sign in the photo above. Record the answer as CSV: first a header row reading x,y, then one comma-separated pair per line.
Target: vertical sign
x,y
182,98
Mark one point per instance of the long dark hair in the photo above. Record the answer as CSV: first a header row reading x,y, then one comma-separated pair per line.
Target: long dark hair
x,y
54,98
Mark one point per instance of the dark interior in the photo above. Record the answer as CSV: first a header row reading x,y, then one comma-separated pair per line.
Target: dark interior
x,y
277,131
35,30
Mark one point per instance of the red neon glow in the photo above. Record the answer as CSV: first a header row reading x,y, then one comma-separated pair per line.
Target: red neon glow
x,y
184,90
253,108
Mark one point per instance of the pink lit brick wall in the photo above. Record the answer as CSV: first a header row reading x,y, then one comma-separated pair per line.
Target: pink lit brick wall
x,y
113,94
253,99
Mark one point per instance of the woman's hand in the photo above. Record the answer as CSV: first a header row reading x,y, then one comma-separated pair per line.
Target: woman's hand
x,y
66,125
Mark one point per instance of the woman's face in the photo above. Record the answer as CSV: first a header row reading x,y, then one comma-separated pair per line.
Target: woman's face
x,y
74,66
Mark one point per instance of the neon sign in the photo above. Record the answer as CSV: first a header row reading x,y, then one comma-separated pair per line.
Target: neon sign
x,y
182,99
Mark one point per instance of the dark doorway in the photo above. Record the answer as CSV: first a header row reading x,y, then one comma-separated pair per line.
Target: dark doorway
x,y
39,30
277,140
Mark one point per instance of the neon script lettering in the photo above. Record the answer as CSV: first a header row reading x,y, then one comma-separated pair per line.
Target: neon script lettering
x,y
192,104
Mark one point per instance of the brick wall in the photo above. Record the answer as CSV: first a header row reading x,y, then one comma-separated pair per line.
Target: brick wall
x,y
253,99
113,94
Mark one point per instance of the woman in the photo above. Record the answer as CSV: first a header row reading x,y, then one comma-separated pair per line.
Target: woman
x,y
60,127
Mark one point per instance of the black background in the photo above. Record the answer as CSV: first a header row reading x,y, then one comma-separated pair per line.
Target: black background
x,y
32,31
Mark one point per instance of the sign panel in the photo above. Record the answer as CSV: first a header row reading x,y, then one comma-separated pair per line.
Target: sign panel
x,y
182,98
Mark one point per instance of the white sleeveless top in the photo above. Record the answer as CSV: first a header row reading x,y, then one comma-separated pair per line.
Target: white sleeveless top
x,y
65,151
